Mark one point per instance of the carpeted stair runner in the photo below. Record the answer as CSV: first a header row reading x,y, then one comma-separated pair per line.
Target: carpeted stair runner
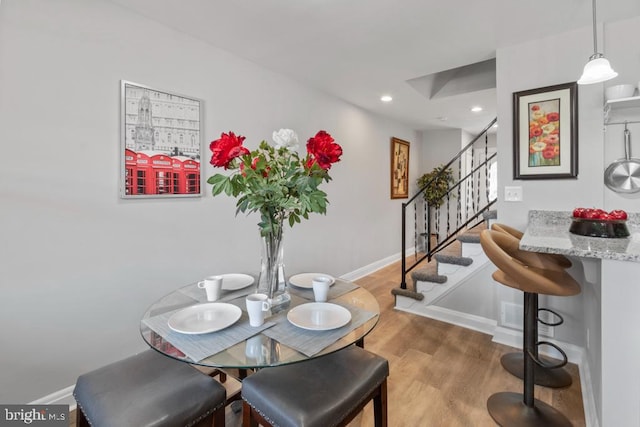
x,y
451,259
430,272
425,275
493,214
469,238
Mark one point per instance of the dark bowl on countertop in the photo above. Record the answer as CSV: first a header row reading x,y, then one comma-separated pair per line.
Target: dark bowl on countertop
x,y
599,228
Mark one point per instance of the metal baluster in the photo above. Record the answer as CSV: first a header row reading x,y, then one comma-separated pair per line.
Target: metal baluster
x,y
448,215
426,227
473,200
486,165
415,231
459,204
478,190
437,220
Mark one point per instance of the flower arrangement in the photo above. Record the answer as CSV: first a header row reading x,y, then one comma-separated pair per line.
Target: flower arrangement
x,y
273,179
276,182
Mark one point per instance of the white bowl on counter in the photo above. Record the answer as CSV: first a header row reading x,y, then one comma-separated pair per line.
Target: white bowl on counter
x,y
619,92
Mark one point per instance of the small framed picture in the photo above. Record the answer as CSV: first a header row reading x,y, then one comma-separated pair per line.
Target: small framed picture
x,y
160,143
545,123
399,169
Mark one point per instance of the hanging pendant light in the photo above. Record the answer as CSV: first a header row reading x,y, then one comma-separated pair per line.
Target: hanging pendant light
x,y
598,68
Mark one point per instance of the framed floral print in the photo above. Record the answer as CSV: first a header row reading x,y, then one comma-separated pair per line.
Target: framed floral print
x,y
545,123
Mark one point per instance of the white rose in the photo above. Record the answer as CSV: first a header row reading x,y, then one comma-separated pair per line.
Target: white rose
x,y
286,138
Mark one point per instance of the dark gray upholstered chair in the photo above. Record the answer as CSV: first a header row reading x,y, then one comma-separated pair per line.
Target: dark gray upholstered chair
x,y
149,389
324,392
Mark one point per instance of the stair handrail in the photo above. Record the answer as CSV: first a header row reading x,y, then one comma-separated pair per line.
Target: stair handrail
x,y
450,238
456,157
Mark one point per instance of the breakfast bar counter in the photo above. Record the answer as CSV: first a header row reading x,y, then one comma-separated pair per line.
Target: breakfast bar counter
x,y
607,314
548,232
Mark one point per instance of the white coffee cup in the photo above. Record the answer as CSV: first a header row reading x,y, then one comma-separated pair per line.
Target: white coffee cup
x,y
321,288
257,306
255,349
213,286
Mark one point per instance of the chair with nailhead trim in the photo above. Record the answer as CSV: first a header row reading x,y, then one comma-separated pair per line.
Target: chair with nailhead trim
x,y
149,389
324,392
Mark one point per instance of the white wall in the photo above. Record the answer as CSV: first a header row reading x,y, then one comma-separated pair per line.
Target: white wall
x,y
567,55
80,265
439,147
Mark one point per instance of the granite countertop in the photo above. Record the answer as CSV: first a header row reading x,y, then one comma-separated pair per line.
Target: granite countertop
x,y
548,232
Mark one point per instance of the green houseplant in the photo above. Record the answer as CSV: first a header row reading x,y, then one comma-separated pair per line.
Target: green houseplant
x,y
437,182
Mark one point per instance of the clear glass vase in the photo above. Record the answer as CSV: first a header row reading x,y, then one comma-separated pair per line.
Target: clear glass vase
x,y
272,281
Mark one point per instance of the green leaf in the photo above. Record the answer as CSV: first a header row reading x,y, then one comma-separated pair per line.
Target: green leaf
x,y
218,183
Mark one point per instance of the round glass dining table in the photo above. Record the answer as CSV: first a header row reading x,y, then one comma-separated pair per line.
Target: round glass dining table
x,y
262,348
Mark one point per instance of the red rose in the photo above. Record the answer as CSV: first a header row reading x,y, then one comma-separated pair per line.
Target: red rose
x,y
553,117
535,108
226,148
323,150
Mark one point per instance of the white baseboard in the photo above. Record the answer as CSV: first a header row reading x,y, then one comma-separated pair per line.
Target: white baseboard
x,y
60,397
373,267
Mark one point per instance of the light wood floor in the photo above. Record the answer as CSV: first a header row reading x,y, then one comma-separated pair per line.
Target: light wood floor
x,y
441,375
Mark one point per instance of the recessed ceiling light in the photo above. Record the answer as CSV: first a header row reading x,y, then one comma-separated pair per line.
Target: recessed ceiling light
x,y
476,109
386,98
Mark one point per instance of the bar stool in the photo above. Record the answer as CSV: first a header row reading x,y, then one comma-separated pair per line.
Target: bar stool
x,y
549,374
559,260
522,409
149,389
324,392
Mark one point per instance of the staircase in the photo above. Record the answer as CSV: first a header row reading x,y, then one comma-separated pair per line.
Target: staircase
x,y
446,239
450,268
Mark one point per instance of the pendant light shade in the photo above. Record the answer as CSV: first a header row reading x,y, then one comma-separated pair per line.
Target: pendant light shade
x,y
598,68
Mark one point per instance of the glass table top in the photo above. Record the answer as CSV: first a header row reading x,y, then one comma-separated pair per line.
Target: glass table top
x,y
257,348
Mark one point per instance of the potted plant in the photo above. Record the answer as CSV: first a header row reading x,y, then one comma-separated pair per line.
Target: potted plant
x,y
438,181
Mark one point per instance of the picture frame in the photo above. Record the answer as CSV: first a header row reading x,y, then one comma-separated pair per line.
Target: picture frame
x,y
160,143
399,168
545,132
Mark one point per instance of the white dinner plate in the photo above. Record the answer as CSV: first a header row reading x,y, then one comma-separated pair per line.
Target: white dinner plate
x,y
204,318
304,280
235,281
319,316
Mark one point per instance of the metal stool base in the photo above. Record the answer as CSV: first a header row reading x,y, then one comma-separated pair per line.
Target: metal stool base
x,y
509,409
553,378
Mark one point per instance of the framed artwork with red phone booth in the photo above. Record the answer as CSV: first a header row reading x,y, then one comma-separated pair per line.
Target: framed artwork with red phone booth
x,y
160,143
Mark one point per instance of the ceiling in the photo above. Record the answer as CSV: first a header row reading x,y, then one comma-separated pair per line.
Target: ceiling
x,y
359,50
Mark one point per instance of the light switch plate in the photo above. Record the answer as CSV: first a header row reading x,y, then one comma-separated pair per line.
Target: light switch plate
x,y
512,194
